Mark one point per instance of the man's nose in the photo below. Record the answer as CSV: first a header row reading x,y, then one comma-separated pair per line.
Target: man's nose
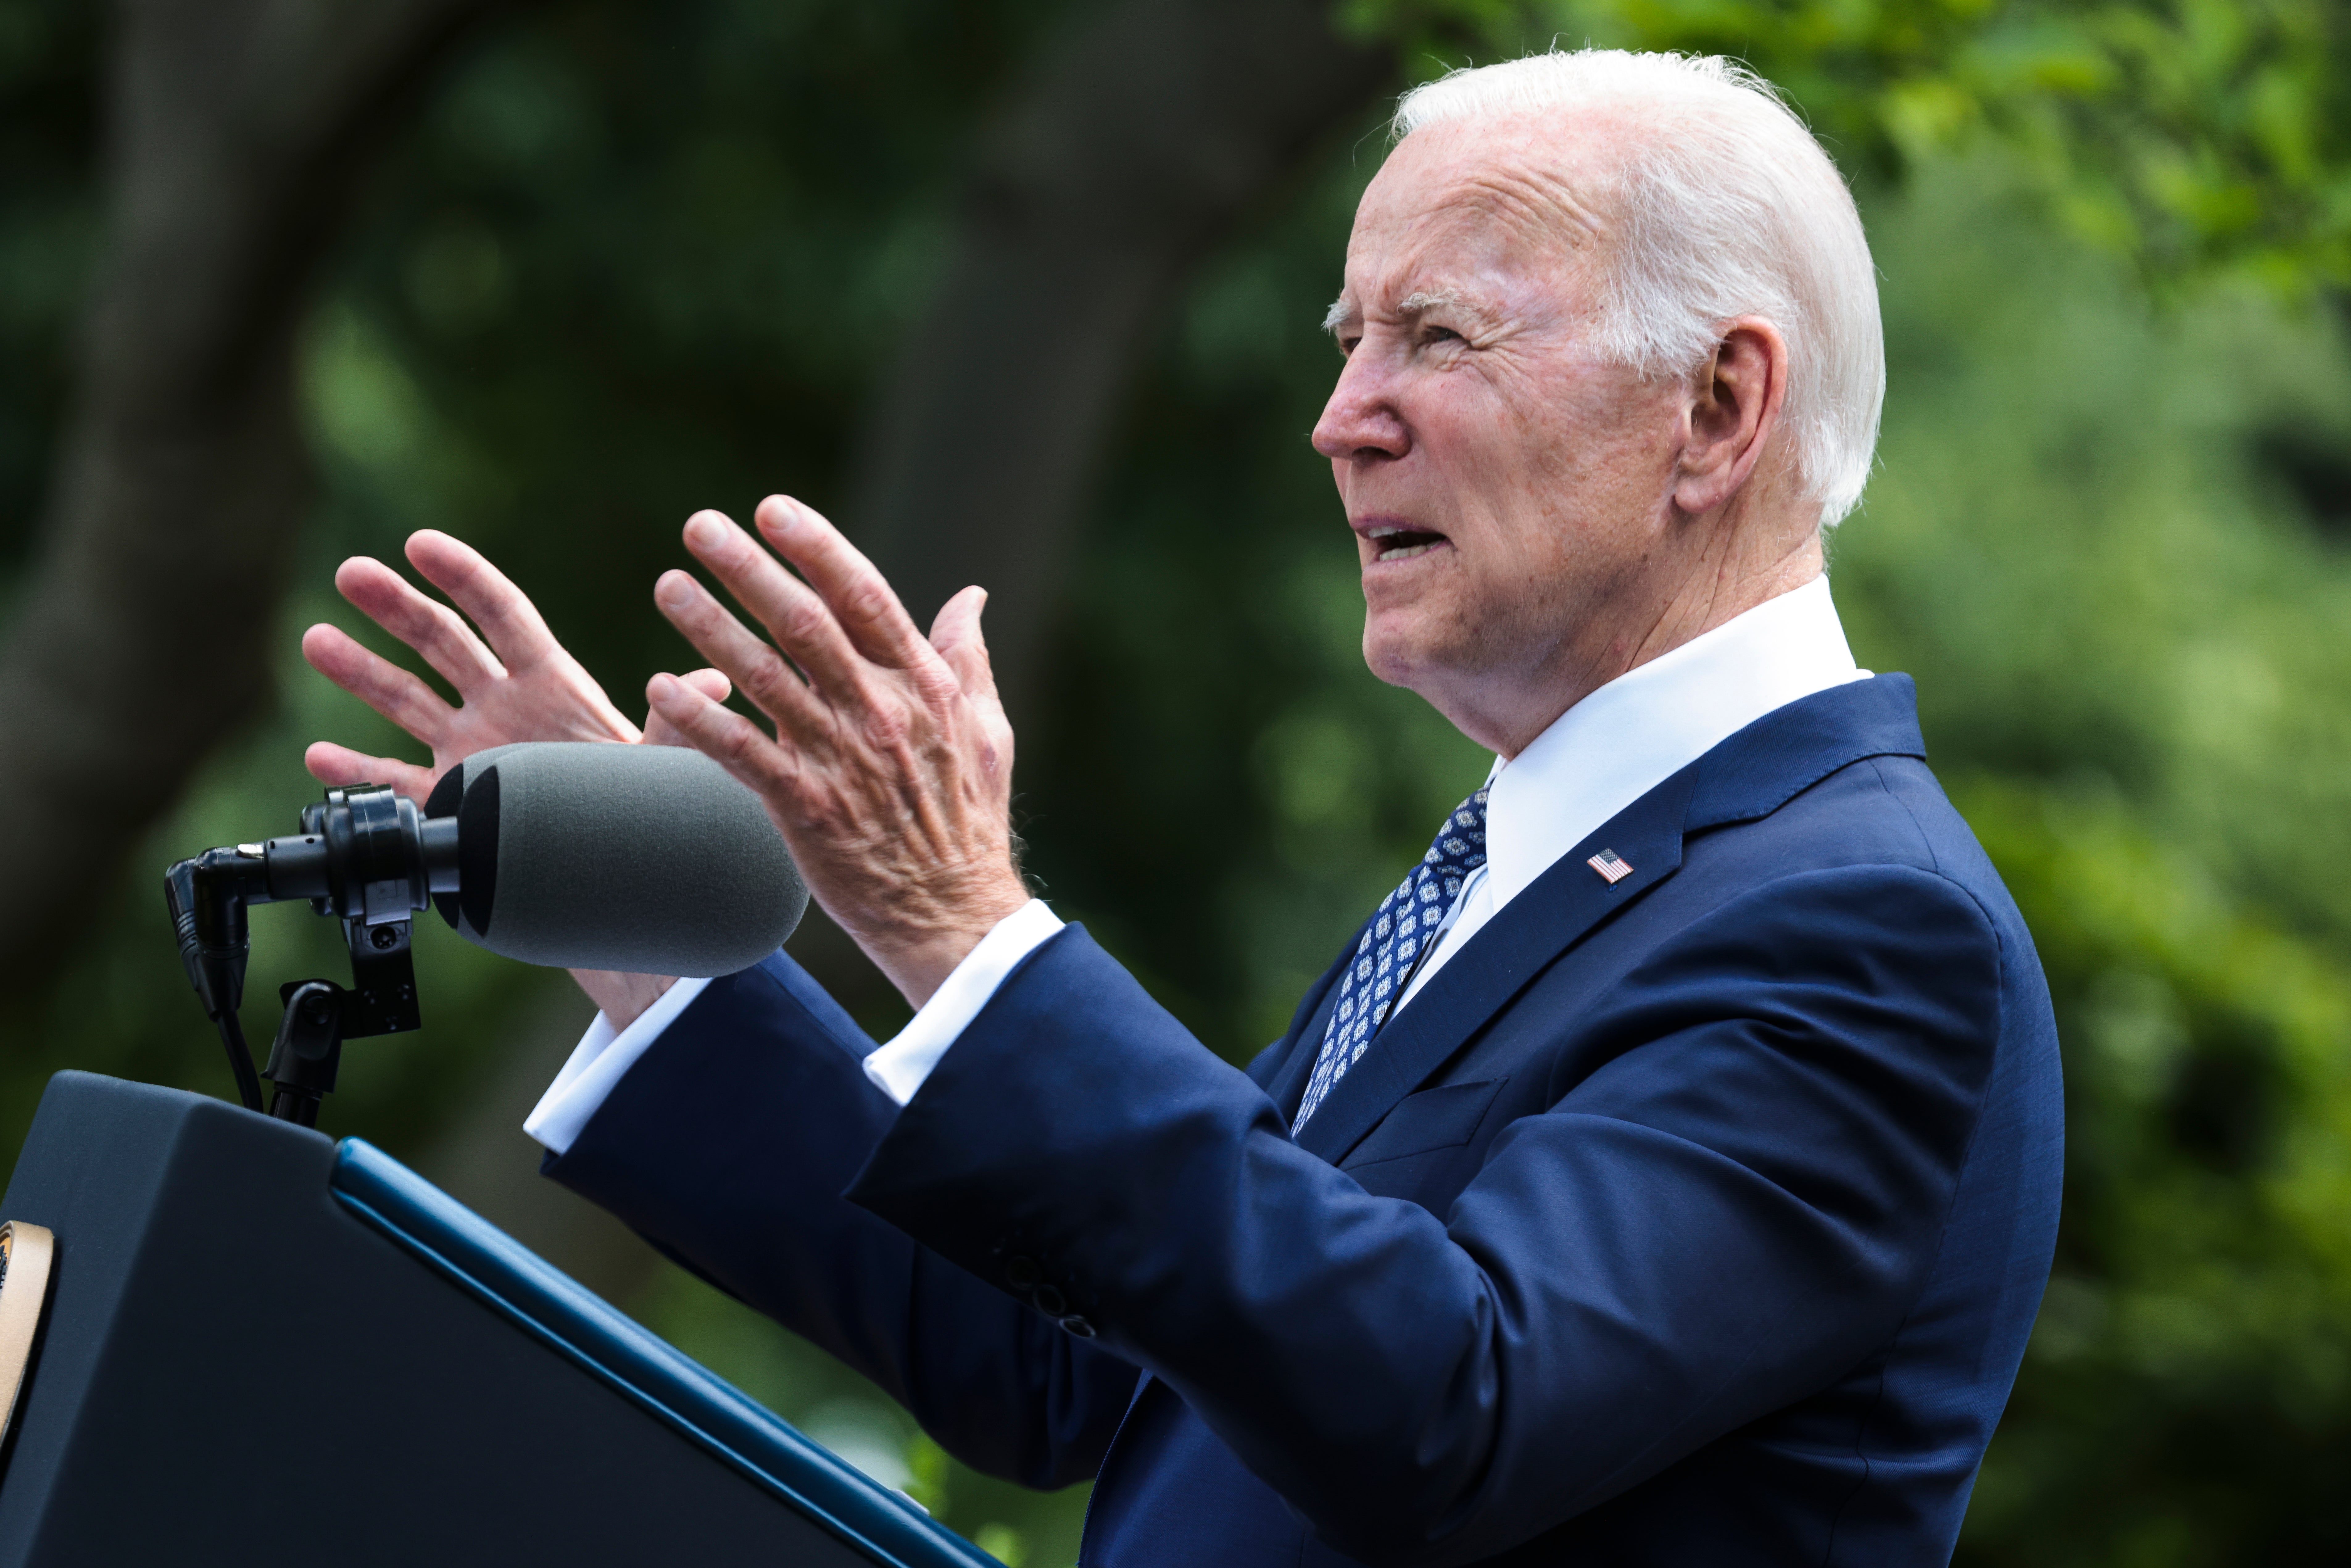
x,y
1362,419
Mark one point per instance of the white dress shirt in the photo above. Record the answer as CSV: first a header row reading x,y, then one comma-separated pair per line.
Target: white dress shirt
x,y
1596,759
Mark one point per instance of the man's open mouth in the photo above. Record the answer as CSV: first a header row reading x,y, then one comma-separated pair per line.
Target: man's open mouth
x,y
1401,544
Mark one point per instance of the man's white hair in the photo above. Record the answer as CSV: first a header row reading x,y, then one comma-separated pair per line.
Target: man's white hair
x,y
1720,206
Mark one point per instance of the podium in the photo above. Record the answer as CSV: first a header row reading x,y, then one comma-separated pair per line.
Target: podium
x,y
262,1347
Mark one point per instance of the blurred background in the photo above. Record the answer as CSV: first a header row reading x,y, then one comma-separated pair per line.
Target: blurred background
x,y
1025,292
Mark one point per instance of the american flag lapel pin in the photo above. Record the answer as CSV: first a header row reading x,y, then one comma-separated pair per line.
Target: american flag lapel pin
x,y
1611,870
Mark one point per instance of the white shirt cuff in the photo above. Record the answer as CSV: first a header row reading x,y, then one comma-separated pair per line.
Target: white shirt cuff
x,y
899,1068
598,1062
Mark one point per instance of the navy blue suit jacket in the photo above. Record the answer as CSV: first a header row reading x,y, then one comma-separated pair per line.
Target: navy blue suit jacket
x,y
1697,1219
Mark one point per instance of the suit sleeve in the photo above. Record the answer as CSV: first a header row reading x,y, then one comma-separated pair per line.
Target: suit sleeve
x,y
1736,1189
727,1146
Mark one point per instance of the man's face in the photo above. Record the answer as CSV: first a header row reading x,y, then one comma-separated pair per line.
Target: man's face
x,y
1507,490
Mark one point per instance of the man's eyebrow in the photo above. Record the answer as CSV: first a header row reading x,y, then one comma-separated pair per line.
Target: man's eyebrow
x,y
1421,299
1342,310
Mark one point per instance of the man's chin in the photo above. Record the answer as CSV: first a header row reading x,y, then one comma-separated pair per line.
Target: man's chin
x,y
1398,649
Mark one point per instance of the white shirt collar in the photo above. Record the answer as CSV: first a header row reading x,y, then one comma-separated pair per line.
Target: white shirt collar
x,y
1648,724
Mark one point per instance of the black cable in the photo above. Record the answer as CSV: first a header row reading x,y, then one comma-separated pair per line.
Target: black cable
x,y
240,1058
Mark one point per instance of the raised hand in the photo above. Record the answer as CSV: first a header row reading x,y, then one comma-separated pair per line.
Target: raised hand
x,y
891,769
514,680
518,684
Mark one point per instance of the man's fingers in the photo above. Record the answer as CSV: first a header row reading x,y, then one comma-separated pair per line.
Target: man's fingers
x,y
860,598
339,765
790,610
712,684
395,693
956,634
432,628
757,669
726,737
507,618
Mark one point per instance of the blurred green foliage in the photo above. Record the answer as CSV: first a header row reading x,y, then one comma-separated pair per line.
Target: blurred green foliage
x,y
2110,545
634,260
2192,135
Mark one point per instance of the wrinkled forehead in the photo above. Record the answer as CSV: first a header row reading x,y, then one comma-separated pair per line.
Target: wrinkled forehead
x,y
1513,203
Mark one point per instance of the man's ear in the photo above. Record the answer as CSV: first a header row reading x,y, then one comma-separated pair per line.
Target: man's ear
x,y
1733,410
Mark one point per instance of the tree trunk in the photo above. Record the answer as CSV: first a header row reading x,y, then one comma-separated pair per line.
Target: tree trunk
x,y
1142,137
1142,140
145,633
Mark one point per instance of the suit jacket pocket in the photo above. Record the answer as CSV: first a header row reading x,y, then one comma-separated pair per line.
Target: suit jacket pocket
x,y
1441,1118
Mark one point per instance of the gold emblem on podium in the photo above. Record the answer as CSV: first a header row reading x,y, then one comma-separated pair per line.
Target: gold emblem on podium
x,y
26,1253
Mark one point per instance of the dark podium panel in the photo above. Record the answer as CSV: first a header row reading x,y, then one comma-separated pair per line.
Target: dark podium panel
x,y
265,1348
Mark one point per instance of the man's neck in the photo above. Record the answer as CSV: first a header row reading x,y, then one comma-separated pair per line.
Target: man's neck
x,y
1506,715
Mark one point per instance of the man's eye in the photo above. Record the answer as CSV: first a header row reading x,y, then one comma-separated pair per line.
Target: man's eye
x,y
1347,344
1442,335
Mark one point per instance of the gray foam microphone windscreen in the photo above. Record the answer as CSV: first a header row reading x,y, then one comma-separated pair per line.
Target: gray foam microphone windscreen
x,y
596,855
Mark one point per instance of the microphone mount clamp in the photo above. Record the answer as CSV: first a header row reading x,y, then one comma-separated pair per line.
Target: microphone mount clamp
x,y
365,855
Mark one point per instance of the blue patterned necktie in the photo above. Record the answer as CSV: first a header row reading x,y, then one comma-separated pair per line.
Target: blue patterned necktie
x,y
1408,921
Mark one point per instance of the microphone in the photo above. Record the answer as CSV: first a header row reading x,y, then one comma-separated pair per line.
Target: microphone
x,y
582,855
590,855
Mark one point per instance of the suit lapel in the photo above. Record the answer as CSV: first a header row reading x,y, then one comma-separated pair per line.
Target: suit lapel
x,y
1280,1073
1543,922
1288,1086
1747,777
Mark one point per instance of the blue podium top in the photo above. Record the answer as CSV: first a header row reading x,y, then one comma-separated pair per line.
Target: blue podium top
x,y
515,1283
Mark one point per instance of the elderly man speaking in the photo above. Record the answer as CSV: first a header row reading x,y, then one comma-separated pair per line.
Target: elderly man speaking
x,y
1667,1170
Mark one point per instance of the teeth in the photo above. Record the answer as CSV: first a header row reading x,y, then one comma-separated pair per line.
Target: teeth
x,y
1380,538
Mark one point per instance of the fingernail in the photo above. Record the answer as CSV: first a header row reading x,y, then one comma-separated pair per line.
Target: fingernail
x,y
662,688
703,532
675,590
